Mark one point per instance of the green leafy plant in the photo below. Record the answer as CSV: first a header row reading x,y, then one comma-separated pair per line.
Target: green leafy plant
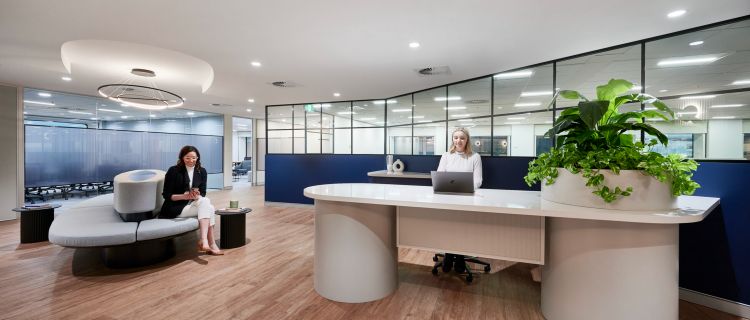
x,y
594,136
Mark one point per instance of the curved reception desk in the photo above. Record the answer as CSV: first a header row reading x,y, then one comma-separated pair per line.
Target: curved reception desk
x,y
597,264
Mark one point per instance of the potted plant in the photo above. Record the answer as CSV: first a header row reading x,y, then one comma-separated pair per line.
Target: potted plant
x,y
597,161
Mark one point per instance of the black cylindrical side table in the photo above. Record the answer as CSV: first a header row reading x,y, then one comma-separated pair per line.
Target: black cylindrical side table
x,y
35,222
232,234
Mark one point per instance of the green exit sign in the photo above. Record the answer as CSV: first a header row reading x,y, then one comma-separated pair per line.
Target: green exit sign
x,y
309,108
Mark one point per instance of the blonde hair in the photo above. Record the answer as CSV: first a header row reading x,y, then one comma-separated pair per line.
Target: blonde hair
x,y
467,149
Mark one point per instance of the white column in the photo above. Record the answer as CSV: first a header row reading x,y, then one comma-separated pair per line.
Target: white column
x,y
227,165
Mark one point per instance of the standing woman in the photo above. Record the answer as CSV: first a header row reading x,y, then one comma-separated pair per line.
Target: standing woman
x,y
460,157
185,196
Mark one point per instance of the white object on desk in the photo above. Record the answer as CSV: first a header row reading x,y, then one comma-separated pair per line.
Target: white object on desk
x,y
597,263
398,166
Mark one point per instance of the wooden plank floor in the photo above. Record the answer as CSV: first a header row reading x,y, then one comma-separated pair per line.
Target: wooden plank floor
x,y
269,278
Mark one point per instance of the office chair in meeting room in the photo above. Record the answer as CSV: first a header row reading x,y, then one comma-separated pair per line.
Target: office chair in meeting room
x,y
457,262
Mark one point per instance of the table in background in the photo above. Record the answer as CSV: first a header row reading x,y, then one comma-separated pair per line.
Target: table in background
x,y
35,222
232,234
406,178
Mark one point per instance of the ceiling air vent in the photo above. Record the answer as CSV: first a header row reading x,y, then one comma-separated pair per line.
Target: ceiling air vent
x,y
220,105
283,84
434,71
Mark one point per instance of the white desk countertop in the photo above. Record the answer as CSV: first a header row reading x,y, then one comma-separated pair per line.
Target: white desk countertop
x,y
410,175
690,208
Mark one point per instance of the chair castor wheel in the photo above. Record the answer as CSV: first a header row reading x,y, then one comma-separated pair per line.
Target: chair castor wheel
x,y
435,258
434,271
487,269
469,279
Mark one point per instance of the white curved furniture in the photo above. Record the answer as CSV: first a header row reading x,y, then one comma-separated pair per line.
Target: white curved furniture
x,y
137,194
598,264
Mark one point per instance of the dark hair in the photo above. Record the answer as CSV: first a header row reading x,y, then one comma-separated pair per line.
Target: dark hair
x,y
185,150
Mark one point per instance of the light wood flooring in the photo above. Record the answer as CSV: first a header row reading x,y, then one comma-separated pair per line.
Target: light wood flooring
x,y
271,277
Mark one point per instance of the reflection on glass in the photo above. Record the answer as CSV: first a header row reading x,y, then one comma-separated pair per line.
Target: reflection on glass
x,y
430,105
399,110
280,117
523,90
299,141
339,114
342,141
327,140
399,140
429,138
280,141
299,116
518,135
474,102
313,140
370,113
479,129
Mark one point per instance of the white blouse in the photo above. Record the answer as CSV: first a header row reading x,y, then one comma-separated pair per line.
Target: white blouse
x,y
190,171
458,162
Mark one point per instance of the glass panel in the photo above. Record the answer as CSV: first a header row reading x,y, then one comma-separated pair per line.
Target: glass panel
x,y
585,73
429,138
523,90
313,141
469,99
522,135
371,113
479,130
299,117
399,140
280,141
399,110
327,139
313,138
368,141
342,141
430,105
707,60
340,113
299,141
280,118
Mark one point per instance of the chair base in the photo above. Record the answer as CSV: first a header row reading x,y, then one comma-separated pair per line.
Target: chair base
x,y
139,254
459,263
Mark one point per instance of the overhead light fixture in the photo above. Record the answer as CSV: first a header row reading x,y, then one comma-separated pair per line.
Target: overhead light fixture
x,y
454,98
417,117
80,112
723,117
66,78
516,118
109,110
152,116
248,110
40,102
256,64
461,115
44,94
690,61
735,105
636,88
346,112
696,43
455,108
94,118
741,82
379,102
336,94
687,113
536,93
190,113
708,96
528,104
251,100
326,105
512,123
139,96
663,90
414,45
676,13
124,117
401,110
423,121
465,120
514,74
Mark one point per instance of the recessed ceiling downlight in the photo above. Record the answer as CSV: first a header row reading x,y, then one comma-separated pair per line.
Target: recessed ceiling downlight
x,y
414,45
676,13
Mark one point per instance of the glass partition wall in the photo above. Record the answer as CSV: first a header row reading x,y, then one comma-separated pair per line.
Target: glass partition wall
x,y
703,74
73,141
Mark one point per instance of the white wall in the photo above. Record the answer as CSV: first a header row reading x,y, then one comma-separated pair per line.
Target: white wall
x,y
725,139
11,141
522,140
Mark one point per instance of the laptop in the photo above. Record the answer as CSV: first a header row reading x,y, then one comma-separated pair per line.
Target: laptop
x,y
452,182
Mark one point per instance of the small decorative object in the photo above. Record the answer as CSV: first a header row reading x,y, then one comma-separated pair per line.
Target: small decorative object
x,y
597,152
398,166
389,162
234,204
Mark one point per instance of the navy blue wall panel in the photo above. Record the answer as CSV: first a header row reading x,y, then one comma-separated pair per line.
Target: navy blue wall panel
x,y
714,254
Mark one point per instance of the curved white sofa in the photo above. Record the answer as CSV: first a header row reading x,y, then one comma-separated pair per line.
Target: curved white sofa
x,y
97,223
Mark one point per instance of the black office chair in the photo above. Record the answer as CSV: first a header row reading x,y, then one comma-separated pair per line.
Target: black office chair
x,y
457,262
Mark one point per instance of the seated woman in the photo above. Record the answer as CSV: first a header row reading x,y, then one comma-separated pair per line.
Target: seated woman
x,y
185,196
460,158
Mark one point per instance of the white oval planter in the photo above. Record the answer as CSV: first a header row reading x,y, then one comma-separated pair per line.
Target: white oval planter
x,y
648,193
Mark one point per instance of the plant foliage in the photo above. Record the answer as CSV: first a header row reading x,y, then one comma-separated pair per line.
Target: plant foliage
x,y
595,136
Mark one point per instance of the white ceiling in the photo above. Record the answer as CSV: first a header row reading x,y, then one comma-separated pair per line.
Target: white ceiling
x,y
357,48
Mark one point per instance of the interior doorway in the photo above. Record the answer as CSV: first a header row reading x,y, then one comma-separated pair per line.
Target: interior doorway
x,y
242,151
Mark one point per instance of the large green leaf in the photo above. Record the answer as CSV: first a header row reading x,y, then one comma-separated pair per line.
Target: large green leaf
x,y
572,95
612,89
647,128
592,112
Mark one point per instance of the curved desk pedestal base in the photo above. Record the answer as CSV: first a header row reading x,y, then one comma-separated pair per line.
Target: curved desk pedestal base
x,y
610,270
356,259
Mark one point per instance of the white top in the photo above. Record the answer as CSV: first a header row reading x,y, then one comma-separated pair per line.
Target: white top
x,y
190,174
690,208
458,162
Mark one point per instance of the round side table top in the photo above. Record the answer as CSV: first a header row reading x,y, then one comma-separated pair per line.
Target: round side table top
x,y
37,207
232,211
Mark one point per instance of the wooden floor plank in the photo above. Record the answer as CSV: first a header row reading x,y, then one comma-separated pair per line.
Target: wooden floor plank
x,y
271,277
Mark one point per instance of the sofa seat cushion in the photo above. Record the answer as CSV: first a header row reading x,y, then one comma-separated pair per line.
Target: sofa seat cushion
x,y
104,200
96,226
161,228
